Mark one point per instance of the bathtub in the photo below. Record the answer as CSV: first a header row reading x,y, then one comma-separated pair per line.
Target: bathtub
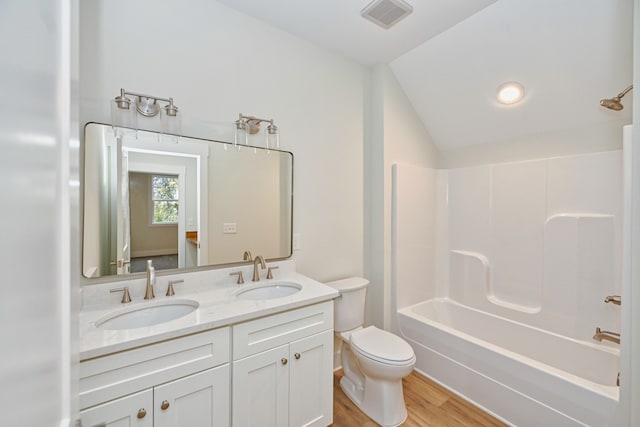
x,y
523,375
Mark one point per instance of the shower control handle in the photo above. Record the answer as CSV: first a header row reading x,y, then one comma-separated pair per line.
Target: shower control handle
x,y
614,299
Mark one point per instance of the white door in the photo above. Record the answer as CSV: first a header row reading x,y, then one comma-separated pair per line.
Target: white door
x,y
135,410
261,389
123,230
199,400
311,381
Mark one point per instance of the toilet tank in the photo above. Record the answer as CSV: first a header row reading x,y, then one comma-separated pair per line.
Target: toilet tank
x,y
348,310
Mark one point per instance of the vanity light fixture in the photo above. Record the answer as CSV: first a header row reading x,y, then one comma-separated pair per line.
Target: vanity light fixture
x,y
125,119
250,125
510,93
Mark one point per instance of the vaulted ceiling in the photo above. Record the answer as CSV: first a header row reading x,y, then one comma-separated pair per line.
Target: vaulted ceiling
x,y
450,57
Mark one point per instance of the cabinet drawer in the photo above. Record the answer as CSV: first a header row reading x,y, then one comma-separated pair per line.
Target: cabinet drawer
x,y
268,332
108,377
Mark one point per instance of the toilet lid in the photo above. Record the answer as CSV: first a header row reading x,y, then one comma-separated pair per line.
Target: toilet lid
x,y
382,346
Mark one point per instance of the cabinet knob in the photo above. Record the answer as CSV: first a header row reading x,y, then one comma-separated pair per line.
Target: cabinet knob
x,y
284,360
164,405
297,355
141,413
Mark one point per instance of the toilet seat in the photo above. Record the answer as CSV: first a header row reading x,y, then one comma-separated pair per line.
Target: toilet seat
x,y
382,346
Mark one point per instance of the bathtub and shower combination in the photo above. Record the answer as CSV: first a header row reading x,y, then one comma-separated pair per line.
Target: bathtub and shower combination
x,y
505,315
525,375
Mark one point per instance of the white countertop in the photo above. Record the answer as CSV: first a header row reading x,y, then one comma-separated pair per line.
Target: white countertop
x,y
214,290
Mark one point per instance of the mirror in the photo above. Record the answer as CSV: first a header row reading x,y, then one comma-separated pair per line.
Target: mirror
x,y
182,204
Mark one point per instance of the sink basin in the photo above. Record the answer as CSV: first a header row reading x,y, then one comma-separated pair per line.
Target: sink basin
x,y
269,290
143,315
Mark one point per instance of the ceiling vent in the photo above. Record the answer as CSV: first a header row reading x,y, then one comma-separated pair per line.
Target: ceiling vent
x,y
386,13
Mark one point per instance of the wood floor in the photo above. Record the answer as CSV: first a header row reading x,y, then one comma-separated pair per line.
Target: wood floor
x,y
428,405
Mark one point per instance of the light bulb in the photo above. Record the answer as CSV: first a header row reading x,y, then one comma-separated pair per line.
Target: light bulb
x,y
124,117
510,93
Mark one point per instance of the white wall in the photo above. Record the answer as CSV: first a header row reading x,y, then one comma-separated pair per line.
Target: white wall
x,y
396,134
215,63
545,144
39,236
630,387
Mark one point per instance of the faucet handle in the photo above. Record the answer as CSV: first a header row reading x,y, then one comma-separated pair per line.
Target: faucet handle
x,y
240,280
170,291
615,299
126,297
270,271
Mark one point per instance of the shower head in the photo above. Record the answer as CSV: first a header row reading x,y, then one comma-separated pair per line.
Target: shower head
x,y
614,103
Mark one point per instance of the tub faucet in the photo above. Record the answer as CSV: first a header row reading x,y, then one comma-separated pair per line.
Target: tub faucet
x,y
151,280
606,335
256,274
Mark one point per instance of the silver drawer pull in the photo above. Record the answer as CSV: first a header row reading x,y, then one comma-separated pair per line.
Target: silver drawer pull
x,y
284,360
297,355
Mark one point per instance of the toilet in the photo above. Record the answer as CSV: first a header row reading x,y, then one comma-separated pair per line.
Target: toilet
x,y
374,361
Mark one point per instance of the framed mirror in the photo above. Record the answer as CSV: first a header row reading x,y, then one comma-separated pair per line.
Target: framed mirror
x,y
183,204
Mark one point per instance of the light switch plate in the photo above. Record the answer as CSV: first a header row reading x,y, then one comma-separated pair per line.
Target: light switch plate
x,y
229,228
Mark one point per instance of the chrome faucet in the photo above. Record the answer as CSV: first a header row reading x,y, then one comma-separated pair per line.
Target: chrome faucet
x,y
246,256
151,280
256,274
606,335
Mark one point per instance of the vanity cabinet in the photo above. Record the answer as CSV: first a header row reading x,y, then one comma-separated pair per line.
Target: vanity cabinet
x,y
283,369
175,383
129,411
197,400
275,370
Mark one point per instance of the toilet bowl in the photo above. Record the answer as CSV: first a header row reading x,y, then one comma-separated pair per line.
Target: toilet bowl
x,y
374,361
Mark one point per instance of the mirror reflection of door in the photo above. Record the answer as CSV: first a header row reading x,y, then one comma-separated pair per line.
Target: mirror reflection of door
x,y
123,244
154,215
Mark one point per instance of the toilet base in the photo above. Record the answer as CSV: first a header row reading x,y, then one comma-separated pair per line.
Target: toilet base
x,y
374,387
391,412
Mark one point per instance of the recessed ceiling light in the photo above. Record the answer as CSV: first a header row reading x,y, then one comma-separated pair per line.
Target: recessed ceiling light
x,y
510,93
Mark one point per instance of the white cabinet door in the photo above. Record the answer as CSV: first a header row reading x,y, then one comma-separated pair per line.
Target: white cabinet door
x,y
311,381
199,400
135,410
261,389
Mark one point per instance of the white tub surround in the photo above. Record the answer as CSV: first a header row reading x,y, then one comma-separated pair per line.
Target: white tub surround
x,y
502,283
180,372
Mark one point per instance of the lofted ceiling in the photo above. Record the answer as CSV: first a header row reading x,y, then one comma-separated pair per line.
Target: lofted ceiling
x,y
338,26
451,55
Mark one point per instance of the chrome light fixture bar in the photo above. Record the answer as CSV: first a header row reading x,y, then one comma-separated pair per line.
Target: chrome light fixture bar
x,y
125,120
250,125
147,105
